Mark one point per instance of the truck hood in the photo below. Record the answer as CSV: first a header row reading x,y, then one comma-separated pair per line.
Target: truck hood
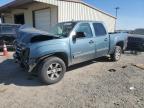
x,y
31,35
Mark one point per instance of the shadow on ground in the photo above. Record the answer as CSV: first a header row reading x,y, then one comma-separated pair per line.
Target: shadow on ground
x,y
11,73
101,59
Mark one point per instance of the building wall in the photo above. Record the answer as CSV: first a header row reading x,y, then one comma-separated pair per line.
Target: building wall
x,y
76,11
28,13
8,18
65,11
68,11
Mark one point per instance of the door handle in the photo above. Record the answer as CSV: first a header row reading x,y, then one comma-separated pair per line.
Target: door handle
x,y
91,42
106,39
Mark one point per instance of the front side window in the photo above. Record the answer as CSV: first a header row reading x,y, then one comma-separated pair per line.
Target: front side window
x,y
99,29
86,29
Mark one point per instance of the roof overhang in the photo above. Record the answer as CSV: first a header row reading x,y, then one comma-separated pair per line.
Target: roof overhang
x,y
18,4
15,4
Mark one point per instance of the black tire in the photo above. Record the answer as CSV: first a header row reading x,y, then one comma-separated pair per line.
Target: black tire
x,y
50,68
117,54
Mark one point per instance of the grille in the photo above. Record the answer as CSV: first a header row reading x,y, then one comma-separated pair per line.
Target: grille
x,y
25,54
22,53
18,49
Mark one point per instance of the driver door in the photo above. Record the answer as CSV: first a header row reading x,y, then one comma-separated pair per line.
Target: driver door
x,y
83,48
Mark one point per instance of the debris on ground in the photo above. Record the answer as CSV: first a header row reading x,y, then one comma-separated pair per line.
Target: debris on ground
x,y
141,99
132,88
116,104
141,66
124,67
112,70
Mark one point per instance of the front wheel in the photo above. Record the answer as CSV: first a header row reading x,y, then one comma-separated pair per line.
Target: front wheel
x,y
52,70
117,53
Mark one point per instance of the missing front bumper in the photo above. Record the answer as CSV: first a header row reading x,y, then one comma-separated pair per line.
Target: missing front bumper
x,y
29,66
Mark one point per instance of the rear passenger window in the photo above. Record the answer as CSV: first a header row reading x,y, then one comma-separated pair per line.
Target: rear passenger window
x,y
99,29
85,27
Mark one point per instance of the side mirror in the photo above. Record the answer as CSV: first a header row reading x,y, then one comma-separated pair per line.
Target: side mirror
x,y
80,34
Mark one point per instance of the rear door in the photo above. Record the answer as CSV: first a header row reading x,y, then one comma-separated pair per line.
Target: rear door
x,y
83,49
101,39
42,19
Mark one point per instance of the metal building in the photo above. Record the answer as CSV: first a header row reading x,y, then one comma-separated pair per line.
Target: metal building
x,y
42,14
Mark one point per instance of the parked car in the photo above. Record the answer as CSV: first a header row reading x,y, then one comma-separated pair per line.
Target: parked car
x,y
135,43
66,44
8,34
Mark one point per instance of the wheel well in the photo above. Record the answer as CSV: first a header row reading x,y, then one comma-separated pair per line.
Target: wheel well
x,y
121,44
62,56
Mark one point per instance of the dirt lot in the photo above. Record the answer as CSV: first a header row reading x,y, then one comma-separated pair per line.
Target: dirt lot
x,y
96,84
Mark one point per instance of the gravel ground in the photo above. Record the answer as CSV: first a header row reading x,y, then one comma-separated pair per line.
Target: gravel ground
x,y
96,84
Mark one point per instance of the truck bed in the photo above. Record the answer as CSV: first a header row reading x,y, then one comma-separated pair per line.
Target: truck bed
x,y
115,37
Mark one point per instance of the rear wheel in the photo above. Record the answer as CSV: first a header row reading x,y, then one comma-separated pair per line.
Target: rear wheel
x,y
52,70
117,53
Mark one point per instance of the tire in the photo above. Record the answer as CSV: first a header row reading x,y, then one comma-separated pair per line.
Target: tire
x,y
117,54
52,70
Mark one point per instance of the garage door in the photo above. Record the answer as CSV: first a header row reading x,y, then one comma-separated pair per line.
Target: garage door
x,y
42,19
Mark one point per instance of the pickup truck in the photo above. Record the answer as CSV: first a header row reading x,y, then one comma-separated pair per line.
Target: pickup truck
x,y
68,43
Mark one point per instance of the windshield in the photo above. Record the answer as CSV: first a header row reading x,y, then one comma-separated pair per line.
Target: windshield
x,y
62,29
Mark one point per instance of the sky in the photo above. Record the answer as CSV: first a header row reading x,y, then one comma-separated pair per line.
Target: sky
x,y
130,14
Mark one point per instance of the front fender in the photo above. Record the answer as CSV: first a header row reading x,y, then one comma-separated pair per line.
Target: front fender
x,y
48,50
48,47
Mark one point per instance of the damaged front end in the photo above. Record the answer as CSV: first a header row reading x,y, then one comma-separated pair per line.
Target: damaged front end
x,y
28,37
21,56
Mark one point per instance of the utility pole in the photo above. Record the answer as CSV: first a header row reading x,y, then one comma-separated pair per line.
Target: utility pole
x,y
117,8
